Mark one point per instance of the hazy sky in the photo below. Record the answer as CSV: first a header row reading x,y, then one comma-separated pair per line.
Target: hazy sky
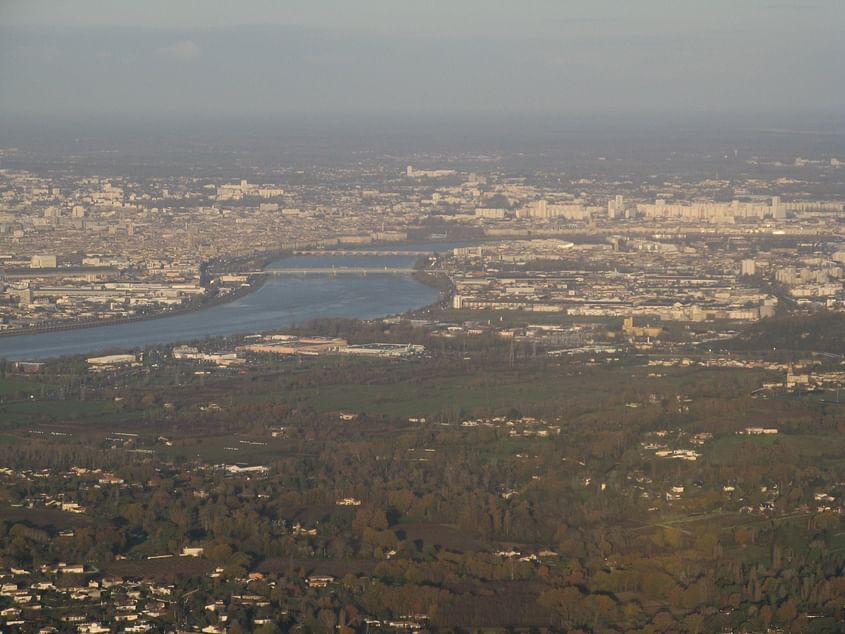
x,y
425,56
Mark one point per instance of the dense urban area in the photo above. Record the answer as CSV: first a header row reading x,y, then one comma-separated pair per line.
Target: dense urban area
x,y
623,414
78,247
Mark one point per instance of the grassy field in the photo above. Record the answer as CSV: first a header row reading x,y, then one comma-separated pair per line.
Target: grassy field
x,y
6,439
486,394
11,387
334,567
229,448
20,413
443,535
44,518
490,393
168,569
730,449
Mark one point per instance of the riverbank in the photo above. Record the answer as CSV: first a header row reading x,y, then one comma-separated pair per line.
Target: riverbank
x,y
255,283
253,262
279,303
271,303
439,282
233,266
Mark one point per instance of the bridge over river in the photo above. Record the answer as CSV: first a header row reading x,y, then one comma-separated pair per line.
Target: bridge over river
x,y
337,270
361,252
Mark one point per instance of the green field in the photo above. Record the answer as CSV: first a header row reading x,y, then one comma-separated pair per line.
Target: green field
x,y
408,400
227,448
493,393
15,386
20,413
730,449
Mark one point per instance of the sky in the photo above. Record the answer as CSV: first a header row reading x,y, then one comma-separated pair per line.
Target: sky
x,y
166,57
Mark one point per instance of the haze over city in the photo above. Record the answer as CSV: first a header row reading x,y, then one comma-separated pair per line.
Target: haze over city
x,y
541,56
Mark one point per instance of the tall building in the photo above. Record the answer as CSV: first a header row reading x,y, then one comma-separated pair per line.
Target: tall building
x,y
778,210
26,296
616,207
748,267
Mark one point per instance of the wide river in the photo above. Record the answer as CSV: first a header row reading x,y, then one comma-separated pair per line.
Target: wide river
x,y
280,302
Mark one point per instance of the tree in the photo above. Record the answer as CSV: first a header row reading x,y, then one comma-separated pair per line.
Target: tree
x,y
567,602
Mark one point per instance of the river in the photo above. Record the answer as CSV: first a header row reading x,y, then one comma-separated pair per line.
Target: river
x,y
280,302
